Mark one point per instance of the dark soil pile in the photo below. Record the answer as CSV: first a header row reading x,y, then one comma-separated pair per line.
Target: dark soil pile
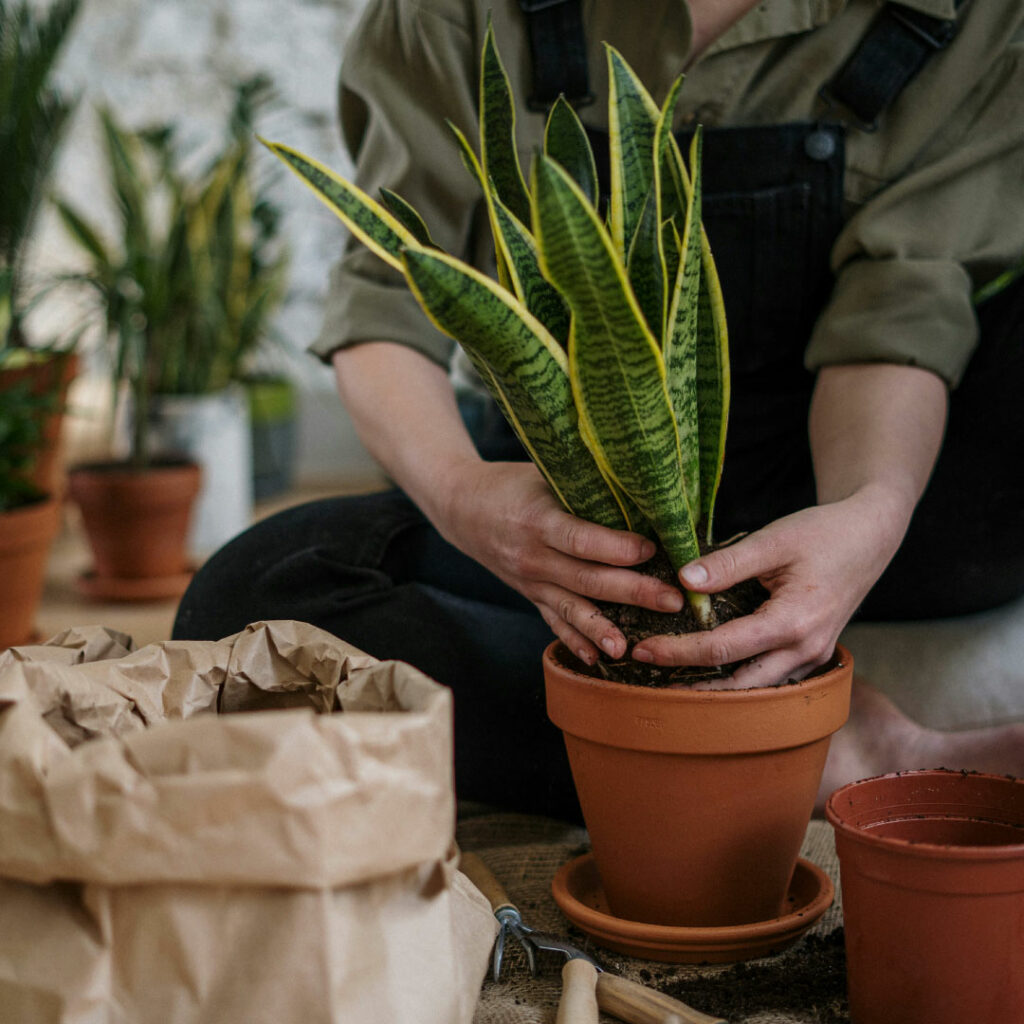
x,y
807,984
639,623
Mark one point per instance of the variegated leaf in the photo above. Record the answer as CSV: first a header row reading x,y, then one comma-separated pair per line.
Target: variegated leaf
x,y
367,219
681,336
615,363
566,142
632,127
713,385
529,368
646,267
408,217
498,154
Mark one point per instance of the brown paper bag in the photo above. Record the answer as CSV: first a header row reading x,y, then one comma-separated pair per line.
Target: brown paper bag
x,y
163,864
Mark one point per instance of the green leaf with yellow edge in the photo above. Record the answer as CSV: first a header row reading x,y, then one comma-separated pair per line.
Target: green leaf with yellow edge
x,y
615,363
408,218
566,142
713,385
516,253
646,267
367,219
681,337
632,128
498,154
529,368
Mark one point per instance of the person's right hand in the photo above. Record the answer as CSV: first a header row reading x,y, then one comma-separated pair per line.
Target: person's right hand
x,y
504,515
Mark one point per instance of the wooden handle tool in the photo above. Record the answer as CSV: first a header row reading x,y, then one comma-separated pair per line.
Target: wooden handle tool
x,y
578,1003
483,878
638,1004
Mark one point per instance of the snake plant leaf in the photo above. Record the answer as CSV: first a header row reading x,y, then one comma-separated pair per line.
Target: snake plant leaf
x,y
680,351
565,141
367,219
669,170
713,385
498,154
408,218
539,296
671,247
615,363
646,266
516,253
632,128
529,368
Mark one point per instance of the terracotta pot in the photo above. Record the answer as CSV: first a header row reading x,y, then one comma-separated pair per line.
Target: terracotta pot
x,y
136,522
25,537
932,873
696,802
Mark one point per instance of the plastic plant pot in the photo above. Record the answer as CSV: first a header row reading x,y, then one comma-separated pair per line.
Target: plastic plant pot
x,y
932,876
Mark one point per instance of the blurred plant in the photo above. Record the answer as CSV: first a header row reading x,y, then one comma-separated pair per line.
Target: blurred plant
x,y
22,422
188,290
33,115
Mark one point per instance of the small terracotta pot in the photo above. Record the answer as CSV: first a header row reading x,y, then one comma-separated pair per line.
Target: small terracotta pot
x,y
696,802
932,873
25,537
136,520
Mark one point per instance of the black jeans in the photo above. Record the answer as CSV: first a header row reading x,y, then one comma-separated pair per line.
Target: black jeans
x,y
372,571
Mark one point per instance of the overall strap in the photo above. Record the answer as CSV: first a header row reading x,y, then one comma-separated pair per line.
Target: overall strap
x,y
896,47
558,49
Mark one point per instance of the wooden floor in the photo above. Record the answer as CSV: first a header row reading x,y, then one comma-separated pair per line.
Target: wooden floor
x,y
146,621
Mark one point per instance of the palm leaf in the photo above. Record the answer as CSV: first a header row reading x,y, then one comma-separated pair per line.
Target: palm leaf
x,y
503,338
615,363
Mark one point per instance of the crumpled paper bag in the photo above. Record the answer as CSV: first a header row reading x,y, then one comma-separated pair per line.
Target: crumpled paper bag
x,y
290,860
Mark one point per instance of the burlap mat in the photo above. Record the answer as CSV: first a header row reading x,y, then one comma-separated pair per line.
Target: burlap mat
x,y
524,853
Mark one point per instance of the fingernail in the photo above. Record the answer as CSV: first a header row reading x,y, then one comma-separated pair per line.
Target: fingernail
x,y
640,654
611,646
647,550
670,601
694,574
585,656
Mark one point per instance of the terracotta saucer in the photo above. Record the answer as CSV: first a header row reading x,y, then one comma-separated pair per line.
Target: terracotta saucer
x,y
142,588
577,891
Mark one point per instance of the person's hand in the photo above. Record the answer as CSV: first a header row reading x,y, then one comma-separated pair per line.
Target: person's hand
x,y
504,515
817,565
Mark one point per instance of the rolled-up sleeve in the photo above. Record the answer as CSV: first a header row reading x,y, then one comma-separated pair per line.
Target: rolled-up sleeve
x,y
910,258
407,68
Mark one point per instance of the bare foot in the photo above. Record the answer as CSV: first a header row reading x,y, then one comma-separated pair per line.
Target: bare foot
x,y
879,738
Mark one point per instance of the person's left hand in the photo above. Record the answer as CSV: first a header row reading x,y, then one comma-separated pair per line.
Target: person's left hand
x,y
817,565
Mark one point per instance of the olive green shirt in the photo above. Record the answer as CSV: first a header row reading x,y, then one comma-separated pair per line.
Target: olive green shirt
x,y
934,199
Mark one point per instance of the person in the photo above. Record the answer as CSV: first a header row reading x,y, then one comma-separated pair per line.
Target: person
x,y
849,254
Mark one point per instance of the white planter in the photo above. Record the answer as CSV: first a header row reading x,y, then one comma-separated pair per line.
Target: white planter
x,y
214,431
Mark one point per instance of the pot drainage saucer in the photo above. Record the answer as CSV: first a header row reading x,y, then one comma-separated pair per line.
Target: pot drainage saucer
x,y
577,891
142,588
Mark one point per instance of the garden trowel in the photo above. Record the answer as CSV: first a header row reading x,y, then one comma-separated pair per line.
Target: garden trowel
x,y
585,985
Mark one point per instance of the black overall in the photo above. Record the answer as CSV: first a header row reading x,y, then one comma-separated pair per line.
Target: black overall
x,y
373,571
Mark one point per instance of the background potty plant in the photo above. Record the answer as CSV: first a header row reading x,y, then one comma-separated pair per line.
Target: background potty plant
x,y
603,340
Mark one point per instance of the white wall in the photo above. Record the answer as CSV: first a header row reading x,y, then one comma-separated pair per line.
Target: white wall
x,y
158,60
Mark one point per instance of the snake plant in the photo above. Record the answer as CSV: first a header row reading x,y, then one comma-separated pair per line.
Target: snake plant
x,y
603,340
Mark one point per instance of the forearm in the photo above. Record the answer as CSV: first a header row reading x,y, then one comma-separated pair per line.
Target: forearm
x,y
403,409
875,431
